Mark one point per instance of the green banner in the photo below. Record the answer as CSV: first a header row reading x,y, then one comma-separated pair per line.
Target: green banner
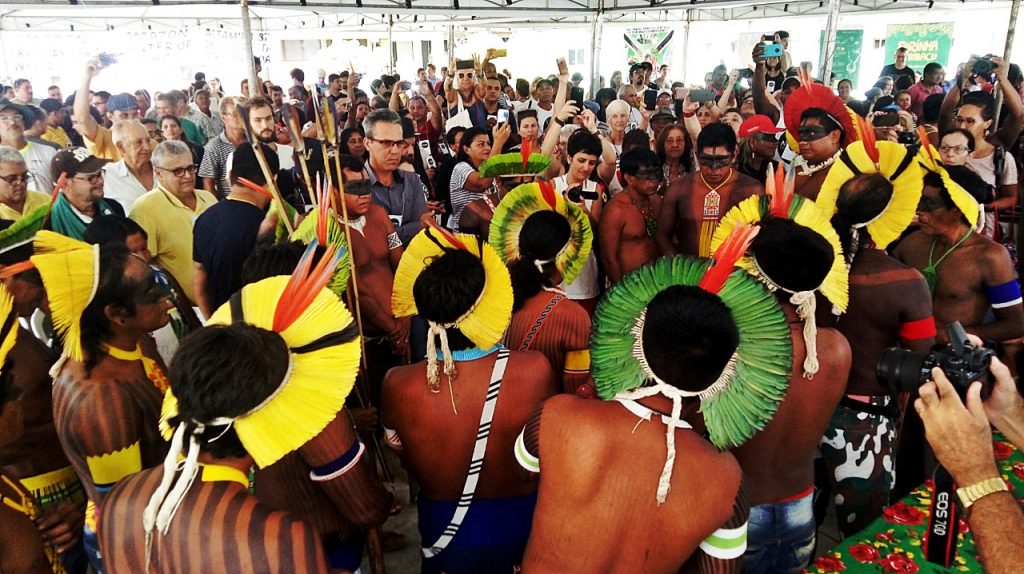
x,y
846,57
649,43
925,43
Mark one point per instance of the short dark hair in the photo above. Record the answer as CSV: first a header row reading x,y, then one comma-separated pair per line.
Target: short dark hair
x,y
447,288
112,229
931,67
824,118
930,108
453,133
225,371
689,336
244,164
782,34
103,95
297,74
791,255
901,50
635,139
716,134
861,199
528,113
269,259
968,179
961,131
985,102
582,141
636,159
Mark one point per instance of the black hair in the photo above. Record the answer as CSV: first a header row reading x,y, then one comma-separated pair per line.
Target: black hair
x,y
782,34
447,289
824,118
244,163
297,74
169,117
847,80
860,200
791,255
930,108
542,236
225,371
968,179
349,162
716,134
632,161
467,139
522,87
582,141
528,113
689,336
20,254
345,135
985,102
269,259
931,67
902,83
113,290
961,131
687,159
112,229
453,133
636,139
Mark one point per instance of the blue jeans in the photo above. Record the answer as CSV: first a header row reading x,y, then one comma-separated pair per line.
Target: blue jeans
x,y
780,537
91,545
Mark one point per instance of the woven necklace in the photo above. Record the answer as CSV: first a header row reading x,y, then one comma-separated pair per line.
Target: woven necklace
x,y
931,272
650,223
471,354
712,199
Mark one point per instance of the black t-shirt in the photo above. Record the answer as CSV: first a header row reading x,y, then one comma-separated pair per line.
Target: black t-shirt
x,y
891,71
222,238
773,83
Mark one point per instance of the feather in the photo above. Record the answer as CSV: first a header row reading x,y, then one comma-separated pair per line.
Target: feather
x,y
782,193
447,235
524,150
256,187
870,145
547,191
330,126
304,285
322,216
922,136
805,78
12,270
726,256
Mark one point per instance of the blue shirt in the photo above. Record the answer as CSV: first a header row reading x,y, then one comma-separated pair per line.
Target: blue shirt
x,y
405,200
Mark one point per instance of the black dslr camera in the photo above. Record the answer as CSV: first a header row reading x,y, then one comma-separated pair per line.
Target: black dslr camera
x,y
983,67
904,371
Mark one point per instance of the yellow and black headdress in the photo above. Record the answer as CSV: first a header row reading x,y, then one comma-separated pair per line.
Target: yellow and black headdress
x,y
782,203
892,161
322,225
8,336
527,199
484,323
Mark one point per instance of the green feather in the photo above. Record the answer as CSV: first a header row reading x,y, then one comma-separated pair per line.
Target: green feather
x,y
24,229
512,164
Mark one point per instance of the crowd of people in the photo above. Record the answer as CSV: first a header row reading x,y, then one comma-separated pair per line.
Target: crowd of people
x,y
218,309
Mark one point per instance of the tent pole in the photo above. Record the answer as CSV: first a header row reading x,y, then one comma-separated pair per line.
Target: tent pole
x,y
596,30
451,47
1007,49
391,44
254,82
687,22
828,47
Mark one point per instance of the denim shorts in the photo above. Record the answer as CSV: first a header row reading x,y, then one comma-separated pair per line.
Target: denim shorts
x,y
780,537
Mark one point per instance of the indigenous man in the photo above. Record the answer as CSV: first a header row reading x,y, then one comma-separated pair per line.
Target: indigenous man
x,y
474,512
889,306
796,254
81,197
696,202
107,389
630,221
820,122
545,240
168,212
33,460
663,337
236,429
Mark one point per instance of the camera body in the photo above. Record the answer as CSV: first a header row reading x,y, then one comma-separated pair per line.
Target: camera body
x,y
907,138
577,194
772,51
904,371
983,67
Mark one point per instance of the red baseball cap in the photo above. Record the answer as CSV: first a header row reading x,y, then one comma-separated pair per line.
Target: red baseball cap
x,y
758,123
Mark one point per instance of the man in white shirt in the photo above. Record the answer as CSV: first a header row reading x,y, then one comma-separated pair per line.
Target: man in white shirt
x,y
131,177
14,119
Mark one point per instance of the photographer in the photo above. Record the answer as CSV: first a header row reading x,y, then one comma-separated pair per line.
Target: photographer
x,y
893,124
962,441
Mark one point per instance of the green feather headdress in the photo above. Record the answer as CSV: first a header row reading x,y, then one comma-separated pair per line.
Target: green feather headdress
x,y
515,164
754,382
24,229
322,225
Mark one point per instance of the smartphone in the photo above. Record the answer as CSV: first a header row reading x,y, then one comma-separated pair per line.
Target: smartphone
x,y
502,116
576,95
106,59
886,120
499,52
650,99
563,68
773,51
680,94
703,95
425,155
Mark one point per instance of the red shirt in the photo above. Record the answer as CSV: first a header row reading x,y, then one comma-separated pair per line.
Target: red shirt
x,y
918,92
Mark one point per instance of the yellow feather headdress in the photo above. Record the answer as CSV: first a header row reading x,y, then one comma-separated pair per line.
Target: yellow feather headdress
x,y
8,326
70,270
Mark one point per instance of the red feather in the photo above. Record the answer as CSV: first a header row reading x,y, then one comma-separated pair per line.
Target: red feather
x,y
781,194
922,136
447,235
56,188
304,285
870,144
15,268
255,187
726,256
321,216
524,150
547,191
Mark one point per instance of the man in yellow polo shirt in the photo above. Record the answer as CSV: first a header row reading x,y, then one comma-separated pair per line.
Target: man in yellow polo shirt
x,y
97,138
168,212
16,199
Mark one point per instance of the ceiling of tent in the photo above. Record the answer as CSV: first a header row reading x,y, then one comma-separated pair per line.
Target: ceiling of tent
x,y
408,15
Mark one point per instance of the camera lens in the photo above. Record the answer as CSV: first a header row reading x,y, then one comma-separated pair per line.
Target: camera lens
x,y
901,370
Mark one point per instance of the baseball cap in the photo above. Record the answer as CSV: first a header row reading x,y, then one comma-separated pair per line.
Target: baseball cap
x,y
50,105
758,123
121,102
663,114
26,114
75,161
665,91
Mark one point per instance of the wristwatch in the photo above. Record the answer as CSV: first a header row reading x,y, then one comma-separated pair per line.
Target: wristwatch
x,y
970,494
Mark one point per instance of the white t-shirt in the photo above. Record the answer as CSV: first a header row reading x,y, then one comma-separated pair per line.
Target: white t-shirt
x,y
986,168
120,185
585,286
37,161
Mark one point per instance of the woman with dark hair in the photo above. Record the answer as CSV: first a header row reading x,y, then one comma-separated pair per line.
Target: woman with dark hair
x,y
170,127
466,185
108,388
675,152
956,146
353,143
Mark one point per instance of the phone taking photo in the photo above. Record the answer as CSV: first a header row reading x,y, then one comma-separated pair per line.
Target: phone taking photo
x,y
563,68
650,100
576,96
502,116
704,95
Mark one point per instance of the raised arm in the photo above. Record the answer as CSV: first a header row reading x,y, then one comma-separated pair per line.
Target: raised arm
x,y
436,117
1010,130
727,93
83,120
762,103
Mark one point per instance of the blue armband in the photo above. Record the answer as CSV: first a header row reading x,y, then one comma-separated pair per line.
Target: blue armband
x,y
340,466
1005,295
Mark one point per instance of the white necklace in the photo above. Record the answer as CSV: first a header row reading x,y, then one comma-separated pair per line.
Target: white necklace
x,y
808,169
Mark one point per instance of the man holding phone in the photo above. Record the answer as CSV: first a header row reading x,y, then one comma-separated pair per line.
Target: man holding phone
x,y
497,113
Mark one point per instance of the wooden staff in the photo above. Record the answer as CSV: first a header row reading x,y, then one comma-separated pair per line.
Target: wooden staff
x,y
290,115
242,116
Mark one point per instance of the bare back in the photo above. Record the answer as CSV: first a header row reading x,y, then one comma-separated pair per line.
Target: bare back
x,y
437,443
597,509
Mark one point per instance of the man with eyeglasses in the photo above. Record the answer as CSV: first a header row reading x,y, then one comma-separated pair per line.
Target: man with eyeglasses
x,y
129,178
14,119
168,212
16,199
81,197
400,193
696,202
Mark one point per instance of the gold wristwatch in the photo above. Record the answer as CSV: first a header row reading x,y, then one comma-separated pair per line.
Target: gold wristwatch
x,y
970,494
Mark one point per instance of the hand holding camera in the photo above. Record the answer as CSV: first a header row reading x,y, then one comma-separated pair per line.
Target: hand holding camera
x,y
568,110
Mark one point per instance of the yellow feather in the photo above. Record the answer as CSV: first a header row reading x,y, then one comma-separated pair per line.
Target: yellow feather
x,y
70,272
11,336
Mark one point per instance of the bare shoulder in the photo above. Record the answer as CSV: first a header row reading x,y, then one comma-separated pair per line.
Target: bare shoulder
x,y
837,345
532,366
679,187
376,214
748,186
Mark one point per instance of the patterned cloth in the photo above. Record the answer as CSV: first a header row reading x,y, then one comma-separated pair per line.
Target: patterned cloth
x,y
893,542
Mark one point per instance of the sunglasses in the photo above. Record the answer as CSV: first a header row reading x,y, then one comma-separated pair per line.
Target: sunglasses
x,y
465,74
715,161
358,187
811,133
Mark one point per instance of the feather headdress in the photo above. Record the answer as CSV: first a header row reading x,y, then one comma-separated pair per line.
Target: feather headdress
x,y
70,270
814,95
520,163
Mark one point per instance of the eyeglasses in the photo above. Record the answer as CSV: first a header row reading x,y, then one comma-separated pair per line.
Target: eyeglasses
x,y
715,161
465,74
15,119
95,177
811,133
953,148
929,204
181,172
389,144
767,138
16,178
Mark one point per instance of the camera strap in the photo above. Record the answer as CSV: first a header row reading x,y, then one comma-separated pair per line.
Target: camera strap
x,y
943,521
